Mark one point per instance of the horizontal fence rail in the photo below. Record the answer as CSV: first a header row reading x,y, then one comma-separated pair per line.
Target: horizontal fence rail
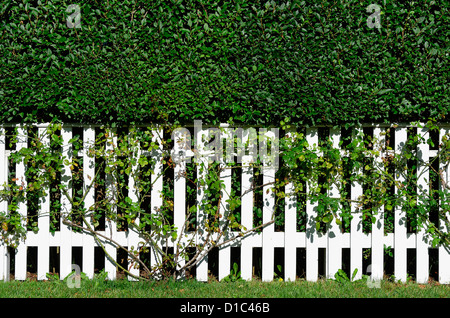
x,y
307,253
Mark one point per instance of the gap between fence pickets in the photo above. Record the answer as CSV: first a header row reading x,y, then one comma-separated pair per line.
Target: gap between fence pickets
x,y
422,247
356,240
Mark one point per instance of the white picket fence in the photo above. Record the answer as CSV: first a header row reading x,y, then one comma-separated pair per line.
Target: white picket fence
x,y
334,241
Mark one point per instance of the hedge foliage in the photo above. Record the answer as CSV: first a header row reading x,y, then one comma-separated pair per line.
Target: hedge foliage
x,y
257,62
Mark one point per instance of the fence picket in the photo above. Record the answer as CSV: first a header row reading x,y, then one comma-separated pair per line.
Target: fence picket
x,y
225,251
224,208
157,188
246,220
312,247
290,234
422,185
268,205
377,242
66,205
356,231
110,225
179,191
43,222
20,272
290,231
4,255
400,215
444,252
133,194
202,266
89,200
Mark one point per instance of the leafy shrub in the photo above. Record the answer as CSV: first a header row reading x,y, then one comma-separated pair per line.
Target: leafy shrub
x,y
252,63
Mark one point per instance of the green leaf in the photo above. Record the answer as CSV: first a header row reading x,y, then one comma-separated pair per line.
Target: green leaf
x,y
327,218
317,226
384,91
354,273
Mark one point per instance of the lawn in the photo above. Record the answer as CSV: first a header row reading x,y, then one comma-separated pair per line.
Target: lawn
x,y
214,289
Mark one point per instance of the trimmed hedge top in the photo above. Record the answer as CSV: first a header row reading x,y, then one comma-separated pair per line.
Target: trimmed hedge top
x,y
256,62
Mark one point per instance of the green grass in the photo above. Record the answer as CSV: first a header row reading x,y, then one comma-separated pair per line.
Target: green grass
x,y
213,289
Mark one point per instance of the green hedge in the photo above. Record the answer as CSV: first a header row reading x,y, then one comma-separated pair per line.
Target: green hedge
x,y
257,62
